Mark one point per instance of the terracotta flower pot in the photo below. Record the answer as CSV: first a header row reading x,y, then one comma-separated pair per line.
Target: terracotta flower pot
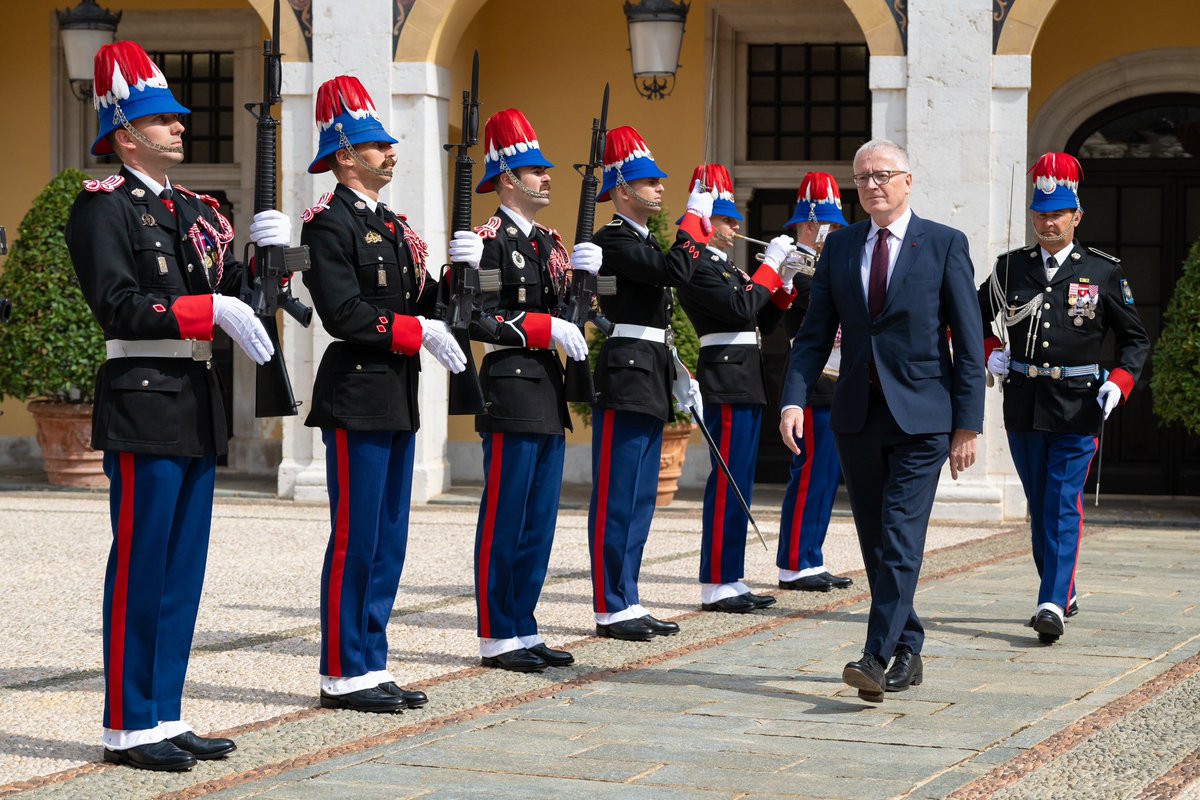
x,y
670,465
64,432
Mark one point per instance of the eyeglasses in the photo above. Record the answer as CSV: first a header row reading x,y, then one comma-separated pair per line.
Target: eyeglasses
x,y
880,178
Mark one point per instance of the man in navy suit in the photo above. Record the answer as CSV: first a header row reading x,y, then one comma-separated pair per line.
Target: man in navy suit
x,y
909,395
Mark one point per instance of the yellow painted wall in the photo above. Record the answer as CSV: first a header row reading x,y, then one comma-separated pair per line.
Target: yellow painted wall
x,y
1079,36
557,78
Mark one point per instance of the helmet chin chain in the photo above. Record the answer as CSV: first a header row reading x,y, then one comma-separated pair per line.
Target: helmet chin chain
x,y
138,136
521,184
655,204
722,238
1059,237
349,148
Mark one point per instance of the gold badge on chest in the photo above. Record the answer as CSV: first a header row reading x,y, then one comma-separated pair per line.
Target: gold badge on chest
x,y
149,221
381,277
372,238
162,265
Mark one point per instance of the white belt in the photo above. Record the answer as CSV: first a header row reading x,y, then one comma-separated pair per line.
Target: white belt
x,y
159,348
731,337
624,331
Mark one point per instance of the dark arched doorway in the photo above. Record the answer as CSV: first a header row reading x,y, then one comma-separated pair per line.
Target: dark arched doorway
x,y
1141,200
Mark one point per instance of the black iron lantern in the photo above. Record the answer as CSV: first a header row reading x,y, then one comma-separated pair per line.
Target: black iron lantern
x,y
84,30
655,38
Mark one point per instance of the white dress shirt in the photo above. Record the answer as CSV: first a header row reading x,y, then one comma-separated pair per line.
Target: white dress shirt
x,y
525,226
1060,258
371,204
642,229
898,229
151,184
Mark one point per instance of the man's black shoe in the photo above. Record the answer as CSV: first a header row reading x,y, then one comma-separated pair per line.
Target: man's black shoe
x,y
836,581
373,700
629,630
738,604
1072,610
159,756
658,627
867,676
809,583
907,670
202,748
761,600
516,661
411,699
555,658
1048,626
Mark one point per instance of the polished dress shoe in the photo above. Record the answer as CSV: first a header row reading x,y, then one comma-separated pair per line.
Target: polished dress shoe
x,y
1072,610
516,661
867,676
658,627
554,658
907,670
836,581
202,748
760,600
738,604
809,583
373,700
628,630
411,699
159,756
1048,626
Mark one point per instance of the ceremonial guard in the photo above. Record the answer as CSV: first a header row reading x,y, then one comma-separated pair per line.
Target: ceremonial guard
x,y
153,262
1056,301
815,471
525,411
728,308
370,286
634,375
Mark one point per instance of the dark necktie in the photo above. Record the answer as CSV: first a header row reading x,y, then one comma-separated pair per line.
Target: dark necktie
x,y
165,195
1051,267
877,284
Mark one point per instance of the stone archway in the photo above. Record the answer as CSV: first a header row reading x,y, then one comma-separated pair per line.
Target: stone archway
x,y
1022,24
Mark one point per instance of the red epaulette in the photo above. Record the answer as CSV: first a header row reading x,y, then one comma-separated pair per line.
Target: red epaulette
x,y
489,229
322,204
107,185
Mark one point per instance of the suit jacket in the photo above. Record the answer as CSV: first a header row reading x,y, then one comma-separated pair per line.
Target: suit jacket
x,y
930,305
135,259
367,282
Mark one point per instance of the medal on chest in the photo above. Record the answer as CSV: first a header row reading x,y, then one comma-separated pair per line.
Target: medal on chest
x,y
1082,299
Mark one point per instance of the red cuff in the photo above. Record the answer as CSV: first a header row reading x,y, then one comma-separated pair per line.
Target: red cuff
x,y
406,335
781,298
1123,380
537,331
194,315
767,278
992,343
693,227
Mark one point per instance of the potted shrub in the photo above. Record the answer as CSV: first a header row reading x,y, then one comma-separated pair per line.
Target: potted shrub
x,y
52,346
1176,360
677,432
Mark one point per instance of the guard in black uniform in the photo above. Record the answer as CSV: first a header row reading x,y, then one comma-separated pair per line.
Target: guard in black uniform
x,y
371,289
634,375
526,411
728,308
1056,302
153,262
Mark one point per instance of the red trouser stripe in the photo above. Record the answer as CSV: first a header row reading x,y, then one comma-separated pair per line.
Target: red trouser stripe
x,y
602,512
1079,542
718,537
337,566
489,528
801,494
120,599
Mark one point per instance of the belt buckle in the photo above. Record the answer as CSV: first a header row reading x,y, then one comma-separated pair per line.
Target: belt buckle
x,y
201,350
1033,371
1056,373
670,337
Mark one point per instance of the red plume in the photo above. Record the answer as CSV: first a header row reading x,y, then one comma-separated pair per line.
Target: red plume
x,y
624,144
716,178
1057,169
120,66
508,131
343,94
819,187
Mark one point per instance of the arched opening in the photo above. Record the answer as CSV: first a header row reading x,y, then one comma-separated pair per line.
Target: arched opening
x,y
1141,199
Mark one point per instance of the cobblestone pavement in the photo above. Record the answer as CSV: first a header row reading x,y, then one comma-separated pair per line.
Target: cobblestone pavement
x,y
736,706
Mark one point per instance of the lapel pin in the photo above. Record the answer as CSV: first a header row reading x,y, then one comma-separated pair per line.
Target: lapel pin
x,y
138,192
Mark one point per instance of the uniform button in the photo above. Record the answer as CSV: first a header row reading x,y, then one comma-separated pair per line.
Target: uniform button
x,y
1048,289
1089,383
726,358
145,383
522,279
407,295
1046,365
1045,344
191,267
518,371
158,244
1045,324
406,270
631,362
1047,305
379,257
358,366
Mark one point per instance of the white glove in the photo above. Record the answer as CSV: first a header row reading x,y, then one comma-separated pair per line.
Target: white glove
x,y
997,363
569,338
689,398
439,341
1109,397
271,228
243,326
700,202
587,257
777,253
466,248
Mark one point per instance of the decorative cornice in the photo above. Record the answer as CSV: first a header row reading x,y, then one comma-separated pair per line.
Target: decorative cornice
x,y
303,11
400,12
899,9
1001,9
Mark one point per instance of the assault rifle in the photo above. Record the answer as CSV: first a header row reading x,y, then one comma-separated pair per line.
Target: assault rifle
x,y
269,288
460,306
584,286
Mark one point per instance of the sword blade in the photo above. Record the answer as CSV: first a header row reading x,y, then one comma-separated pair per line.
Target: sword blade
x,y
716,452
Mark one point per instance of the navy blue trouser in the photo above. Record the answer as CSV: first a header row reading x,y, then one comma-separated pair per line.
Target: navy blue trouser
x,y
735,429
1053,468
626,448
808,502
369,474
891,477
161,509
517,515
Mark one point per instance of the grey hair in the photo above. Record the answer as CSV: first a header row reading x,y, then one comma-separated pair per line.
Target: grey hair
x,y
875,145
